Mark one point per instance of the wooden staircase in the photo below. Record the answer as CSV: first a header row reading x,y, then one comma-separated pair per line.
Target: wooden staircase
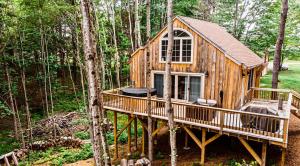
x,y
295,109
6,159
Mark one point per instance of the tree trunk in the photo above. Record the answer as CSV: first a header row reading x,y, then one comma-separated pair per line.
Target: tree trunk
x,y
130,26
101,155
137,31
117,57
167,87
236,18
79,60
23,80
19,124
279,42
11,102
150,138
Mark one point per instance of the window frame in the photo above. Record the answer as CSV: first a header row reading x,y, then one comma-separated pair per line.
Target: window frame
x,y
181,45
176,74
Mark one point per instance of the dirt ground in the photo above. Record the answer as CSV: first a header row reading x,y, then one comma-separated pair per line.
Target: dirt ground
x,y
293,151
222,151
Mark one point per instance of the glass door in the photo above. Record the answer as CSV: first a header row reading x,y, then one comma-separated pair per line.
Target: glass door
x,y
195,88
182,87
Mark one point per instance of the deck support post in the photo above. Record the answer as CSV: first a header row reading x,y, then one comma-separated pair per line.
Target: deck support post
x,y
203,146
186,139
155,127
283,154
115,135
203,143
129,136
135,134
251,151
264,154
143,141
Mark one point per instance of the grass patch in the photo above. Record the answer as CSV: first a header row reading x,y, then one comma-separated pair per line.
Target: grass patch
x,y
289,79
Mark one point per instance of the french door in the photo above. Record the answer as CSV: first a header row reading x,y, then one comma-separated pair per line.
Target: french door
x,y
185,86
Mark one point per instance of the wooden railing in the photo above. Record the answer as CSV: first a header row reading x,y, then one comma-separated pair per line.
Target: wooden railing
x,y
269,94
273,94
270,127
296,100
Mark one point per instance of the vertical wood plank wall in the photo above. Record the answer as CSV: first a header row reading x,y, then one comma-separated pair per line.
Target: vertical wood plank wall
x,y
223,74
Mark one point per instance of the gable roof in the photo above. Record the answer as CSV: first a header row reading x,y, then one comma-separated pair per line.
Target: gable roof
x,y
224,41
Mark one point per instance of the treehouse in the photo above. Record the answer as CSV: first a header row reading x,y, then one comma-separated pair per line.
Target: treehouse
x,y
215,88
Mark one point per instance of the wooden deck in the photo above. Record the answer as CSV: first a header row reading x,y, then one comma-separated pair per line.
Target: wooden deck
x,y
258,118
249,124
273,128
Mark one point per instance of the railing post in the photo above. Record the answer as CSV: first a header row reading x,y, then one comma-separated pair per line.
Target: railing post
x,y
285,131
221,121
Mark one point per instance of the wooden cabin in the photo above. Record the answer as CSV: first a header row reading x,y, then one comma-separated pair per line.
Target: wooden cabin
x,y
210,65
207,62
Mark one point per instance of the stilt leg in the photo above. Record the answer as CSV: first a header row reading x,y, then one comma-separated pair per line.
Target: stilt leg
x,y
264,154
129,136
143,141
283,153
115,136
154,128
135,134
203,146
186,139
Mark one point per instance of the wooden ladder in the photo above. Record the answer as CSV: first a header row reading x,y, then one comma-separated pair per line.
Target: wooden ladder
x,y
6,160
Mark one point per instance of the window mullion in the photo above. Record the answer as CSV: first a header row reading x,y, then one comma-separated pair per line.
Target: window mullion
x,y
180,54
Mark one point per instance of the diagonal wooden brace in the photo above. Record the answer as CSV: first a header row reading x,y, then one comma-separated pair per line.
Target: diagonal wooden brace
x,y
125,127
251,151
193,136
212,139
158,129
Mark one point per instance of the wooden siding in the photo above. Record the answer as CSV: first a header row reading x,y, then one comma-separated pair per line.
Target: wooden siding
x,y
223,74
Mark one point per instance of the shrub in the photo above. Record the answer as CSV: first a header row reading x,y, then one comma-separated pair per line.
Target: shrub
x,y
83,135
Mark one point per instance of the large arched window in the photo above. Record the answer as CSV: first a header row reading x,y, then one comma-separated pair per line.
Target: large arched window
x,y
182,49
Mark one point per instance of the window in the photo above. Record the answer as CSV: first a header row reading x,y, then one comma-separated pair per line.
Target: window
x,y
185,86
182,49
159,84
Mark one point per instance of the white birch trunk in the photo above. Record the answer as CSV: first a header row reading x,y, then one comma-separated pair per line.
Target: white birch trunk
x,y
148,71
167,87
137,31
101,155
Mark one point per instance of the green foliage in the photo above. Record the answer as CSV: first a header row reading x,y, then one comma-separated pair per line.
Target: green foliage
x,y
7,142
67,101
242,163
195,164
136,155
159,155
83,135
80,121
4,110
59,155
